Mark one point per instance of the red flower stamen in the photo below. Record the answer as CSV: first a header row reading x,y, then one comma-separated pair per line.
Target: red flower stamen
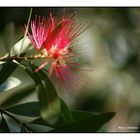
x,y
53,38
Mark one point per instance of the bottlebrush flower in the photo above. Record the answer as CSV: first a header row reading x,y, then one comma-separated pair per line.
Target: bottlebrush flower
x,y
53,38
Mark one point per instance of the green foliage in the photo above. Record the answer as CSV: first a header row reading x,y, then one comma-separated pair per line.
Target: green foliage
x,y
10,98
9,66
48,99
82,122
90,123
7,69
3,125
23,130
22,46
50,113
65,112
2,62
30,109
52,109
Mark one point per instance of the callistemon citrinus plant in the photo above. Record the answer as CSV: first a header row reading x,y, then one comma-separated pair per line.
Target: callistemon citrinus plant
x,y
53,38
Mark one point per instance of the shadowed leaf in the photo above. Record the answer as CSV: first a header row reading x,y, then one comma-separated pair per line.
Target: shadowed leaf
x,y
65,112
23,130
7,69
83,122
3,126
86,124
30,109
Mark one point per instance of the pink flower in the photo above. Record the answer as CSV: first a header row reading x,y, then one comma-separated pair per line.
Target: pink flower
x,y
53,37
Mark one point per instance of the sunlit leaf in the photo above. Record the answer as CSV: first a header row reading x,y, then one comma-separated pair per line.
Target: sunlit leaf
x,y
65,117
3,126
86,124
10,98
2,62
21,47
30,109
12,124
10,83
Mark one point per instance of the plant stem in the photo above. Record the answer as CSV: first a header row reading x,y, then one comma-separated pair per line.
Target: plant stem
x,y
16,120
23,58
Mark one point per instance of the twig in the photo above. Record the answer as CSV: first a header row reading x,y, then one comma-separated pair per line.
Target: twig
x,y
23,58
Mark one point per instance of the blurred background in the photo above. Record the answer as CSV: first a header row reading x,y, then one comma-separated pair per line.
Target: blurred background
x,y
110,49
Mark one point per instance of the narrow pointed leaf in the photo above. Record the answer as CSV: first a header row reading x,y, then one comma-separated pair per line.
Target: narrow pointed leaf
x,y
23,130
30,109
10,83
87,124
48,99
11,97
3,126
7,69
2,62
66,113
21,47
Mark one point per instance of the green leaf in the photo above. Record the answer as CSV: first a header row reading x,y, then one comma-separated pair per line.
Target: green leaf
x,y
49,101
2,62
39,128
12,124
40,121
10,83
7,69
77,115
3,125
21,47
11,97
86,124
30,109
65,112
23,130
83,122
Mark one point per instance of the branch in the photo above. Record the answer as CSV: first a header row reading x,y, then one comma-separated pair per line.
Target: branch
x,y
23,58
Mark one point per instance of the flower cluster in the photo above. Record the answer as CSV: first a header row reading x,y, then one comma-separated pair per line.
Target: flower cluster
x,y
53,37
